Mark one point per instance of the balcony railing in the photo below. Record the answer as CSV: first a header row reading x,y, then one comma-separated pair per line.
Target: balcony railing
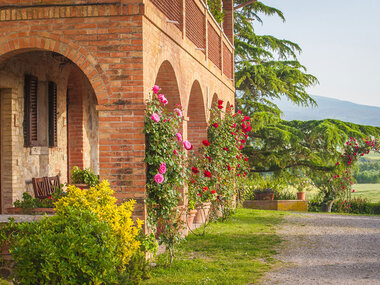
x,y
193,19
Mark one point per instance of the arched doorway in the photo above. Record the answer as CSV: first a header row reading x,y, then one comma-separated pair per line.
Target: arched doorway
x,y
49,120
197,124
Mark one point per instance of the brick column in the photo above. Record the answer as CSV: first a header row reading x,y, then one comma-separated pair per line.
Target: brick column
x,y
122,153
228,21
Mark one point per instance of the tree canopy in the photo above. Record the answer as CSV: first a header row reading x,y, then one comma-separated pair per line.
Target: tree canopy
x,y
266,67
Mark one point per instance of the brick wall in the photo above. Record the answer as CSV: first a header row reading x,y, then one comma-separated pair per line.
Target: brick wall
x,y
105,41
75,120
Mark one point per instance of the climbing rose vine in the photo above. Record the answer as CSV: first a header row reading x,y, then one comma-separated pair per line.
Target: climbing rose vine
x,y
166,174
219,163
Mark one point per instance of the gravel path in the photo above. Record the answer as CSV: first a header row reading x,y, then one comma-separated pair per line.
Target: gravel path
x,y
328,249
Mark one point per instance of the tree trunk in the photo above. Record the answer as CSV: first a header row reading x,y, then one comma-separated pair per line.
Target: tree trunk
x,y
326,207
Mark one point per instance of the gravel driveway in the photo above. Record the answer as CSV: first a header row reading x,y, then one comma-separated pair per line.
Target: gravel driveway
x,y
328,249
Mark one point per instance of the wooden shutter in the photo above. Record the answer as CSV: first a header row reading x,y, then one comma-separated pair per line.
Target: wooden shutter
x,y
30,108
52,114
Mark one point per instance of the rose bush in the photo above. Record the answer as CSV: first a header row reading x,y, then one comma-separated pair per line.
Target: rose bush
x,y
220,164
165,168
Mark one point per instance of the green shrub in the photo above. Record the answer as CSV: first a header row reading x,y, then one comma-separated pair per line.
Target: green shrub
x,y
376,208
28,202
358,206
285,195
315,204
71,248
85,176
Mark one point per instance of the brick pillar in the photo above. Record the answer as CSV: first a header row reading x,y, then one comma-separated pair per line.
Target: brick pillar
x,y
75,121
228,21
122,153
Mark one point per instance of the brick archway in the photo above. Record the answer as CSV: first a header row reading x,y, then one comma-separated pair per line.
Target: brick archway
x,y
21,42
167,80
197,124
214,104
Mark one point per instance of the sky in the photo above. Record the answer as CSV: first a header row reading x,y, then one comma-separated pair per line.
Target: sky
x,y
340,41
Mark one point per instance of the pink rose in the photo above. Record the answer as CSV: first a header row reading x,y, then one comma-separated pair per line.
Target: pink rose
x,y
175,152
179,137
178,112
159,178
155,89
162,99
162,168
155,117
187,145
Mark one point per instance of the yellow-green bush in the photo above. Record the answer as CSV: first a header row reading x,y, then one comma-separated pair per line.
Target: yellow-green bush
x,y
100,200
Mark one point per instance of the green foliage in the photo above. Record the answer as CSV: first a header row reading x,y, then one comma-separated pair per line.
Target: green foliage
x,y
70,248
136,271
215,7
101,201
315,145
266,67
358,205
163,150
368,171
221,157
28,202
85,176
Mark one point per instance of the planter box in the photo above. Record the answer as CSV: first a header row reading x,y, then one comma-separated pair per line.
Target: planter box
x,y
264,196
35,211
277,205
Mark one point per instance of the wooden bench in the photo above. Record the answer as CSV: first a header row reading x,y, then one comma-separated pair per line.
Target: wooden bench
x,y
44,187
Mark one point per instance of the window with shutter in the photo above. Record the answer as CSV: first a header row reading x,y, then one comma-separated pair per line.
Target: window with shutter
x,y
52,114
30,108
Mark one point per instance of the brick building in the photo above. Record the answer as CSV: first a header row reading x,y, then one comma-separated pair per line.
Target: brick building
x,y
74,76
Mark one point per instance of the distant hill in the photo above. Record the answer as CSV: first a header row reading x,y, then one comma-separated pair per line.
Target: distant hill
x,y
329,108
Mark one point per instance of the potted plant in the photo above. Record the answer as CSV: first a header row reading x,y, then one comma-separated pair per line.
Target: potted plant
x,y
303,184
84,178
191,212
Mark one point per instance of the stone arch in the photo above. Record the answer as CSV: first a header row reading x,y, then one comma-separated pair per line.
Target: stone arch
x,y
167,80
197,124
42,158
25,41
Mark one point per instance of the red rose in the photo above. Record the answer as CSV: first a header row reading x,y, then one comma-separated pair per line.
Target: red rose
x,y
199,194
246,158
220,102
213,191
229,168
205,143
194,170
220,107
226,149
215,125
209,158
207,173
205,189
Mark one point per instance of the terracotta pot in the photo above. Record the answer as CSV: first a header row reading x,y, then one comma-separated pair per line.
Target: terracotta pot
x,y
264,196
35,211
190,217
202,213
301,195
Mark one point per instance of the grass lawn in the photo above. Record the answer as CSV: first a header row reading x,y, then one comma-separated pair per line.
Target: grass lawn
x,y
238,251
369,191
